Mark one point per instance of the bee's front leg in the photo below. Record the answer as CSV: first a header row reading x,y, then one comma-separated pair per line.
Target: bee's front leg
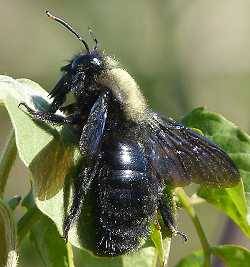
x,y
50,117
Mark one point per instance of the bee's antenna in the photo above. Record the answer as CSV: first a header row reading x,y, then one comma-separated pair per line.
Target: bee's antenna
x,y
67,26
94,38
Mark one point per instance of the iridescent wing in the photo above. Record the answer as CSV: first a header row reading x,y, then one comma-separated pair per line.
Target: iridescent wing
x,y
180,155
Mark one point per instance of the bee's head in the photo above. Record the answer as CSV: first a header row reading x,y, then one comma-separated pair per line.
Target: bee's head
x,y
87,63
83,70
84,67
91,71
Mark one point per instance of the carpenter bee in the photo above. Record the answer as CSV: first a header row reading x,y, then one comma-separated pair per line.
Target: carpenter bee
x,y
132,152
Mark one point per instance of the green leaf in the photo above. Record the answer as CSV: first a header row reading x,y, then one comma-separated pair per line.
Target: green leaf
x,y
196,259
43,235
8,254
25,223
12,92
143,258
47,241
232,256
231,201
47,151
235,201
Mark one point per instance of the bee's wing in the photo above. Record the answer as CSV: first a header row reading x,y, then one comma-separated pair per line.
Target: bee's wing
x,y
179,155
92,132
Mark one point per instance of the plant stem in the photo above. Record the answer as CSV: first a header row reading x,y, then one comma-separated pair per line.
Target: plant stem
x,y
194,200
162,261
186,203
7,160
70,255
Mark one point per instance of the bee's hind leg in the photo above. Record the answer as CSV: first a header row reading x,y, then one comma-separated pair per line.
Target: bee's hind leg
x,y
169,220
81,187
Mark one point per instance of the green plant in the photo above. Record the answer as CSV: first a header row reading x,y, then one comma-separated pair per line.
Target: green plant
x,y
41,145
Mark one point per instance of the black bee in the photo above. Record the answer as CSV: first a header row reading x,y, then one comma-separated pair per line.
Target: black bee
x,y
132,153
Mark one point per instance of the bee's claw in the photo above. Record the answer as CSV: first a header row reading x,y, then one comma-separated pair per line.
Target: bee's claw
x,y
28,109
182,235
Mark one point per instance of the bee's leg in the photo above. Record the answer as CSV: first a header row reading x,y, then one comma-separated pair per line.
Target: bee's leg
x,y
51,117
169,220
57,103
69,109
81,187
93,129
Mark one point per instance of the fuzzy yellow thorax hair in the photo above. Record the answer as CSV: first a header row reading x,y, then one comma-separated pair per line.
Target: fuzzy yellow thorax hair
x,y
126,91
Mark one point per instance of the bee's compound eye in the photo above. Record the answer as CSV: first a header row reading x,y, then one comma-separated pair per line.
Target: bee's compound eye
x,y
95,61
81,61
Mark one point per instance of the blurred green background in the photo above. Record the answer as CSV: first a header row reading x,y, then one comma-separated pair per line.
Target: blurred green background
x,y
182,53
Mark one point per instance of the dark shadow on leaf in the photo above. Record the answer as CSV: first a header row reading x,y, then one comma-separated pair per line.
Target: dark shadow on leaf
x,y
40,103
50,167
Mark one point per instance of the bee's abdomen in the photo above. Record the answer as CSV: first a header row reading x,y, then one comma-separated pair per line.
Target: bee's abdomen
x,y
127,198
